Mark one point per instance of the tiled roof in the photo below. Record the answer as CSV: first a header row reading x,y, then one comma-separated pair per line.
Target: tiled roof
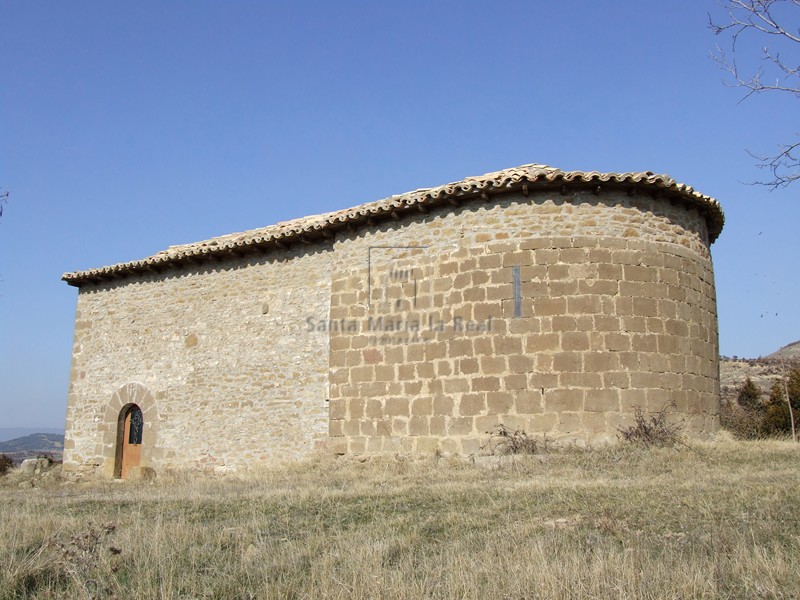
x,y
525,178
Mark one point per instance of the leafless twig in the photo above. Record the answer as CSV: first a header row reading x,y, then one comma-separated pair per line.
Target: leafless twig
x,y
770,19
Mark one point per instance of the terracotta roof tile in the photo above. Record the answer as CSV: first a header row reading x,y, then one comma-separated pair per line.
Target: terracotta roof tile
x,y
314,227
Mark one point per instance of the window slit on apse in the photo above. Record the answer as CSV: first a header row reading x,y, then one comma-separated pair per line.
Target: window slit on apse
x,y
517,293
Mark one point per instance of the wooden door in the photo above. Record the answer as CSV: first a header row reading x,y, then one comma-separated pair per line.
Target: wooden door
x,y
131,441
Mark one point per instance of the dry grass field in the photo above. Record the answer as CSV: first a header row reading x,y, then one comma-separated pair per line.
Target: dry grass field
x,y
705,521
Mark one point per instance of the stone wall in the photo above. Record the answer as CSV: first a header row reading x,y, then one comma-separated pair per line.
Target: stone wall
x,y
615,308
224,352
556,313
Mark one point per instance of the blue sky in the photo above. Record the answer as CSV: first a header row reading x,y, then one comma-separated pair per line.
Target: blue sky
x,y
127,127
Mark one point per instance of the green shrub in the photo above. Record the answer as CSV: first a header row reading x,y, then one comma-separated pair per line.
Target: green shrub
x,y
750,418
5,464
750,396
777,419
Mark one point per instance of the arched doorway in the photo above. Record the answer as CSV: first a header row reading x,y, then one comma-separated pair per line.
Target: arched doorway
x,y
130,427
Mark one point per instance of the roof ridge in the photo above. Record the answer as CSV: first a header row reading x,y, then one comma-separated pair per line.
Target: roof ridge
x,y
319,225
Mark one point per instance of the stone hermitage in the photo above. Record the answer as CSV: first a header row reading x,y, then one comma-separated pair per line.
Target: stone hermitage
x,y
555,302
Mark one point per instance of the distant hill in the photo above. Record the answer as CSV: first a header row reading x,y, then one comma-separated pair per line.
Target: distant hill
x,y
763,371
32,445
788,352
10,433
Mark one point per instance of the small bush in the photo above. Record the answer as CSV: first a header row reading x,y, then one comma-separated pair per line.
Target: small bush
x,y
655,430
743,423
749,396
5,464
507,441
48,457
777,420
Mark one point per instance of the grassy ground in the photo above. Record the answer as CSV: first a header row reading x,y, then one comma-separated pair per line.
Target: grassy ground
x,y
707,521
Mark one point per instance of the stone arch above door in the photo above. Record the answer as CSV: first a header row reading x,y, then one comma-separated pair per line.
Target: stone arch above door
x,y
126,395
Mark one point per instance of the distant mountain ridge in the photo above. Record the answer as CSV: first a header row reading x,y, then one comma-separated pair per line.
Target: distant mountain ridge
x,y
30,446
763,371
788,352
12,433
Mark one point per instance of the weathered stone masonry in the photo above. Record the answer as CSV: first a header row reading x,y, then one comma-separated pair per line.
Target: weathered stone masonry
x,y
549,301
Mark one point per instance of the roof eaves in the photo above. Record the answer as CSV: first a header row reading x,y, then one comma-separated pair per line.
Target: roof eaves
x,y
312,229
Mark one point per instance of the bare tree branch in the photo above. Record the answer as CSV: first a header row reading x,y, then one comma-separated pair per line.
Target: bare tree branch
x,y
778,21
783,165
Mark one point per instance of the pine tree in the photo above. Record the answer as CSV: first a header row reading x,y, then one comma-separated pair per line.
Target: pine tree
x,y
750,396
777,419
